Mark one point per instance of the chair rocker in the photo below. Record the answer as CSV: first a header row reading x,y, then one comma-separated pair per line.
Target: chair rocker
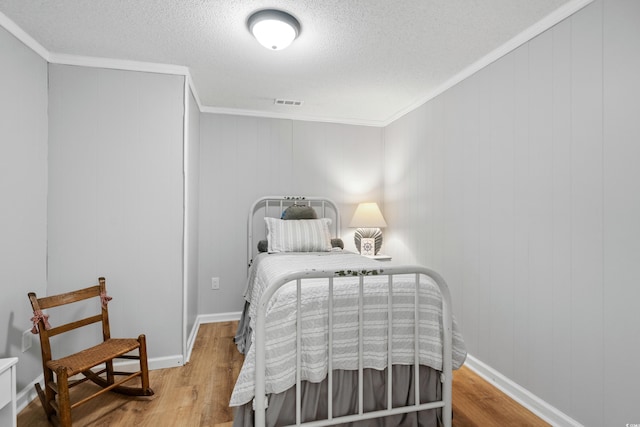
x,y
55,397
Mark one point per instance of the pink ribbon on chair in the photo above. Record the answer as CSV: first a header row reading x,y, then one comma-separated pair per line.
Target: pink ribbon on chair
x,y
105,299
38,315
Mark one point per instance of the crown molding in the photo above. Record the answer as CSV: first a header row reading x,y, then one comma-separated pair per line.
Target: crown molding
x,y
533,31
127,65
289,116
194,91
116,64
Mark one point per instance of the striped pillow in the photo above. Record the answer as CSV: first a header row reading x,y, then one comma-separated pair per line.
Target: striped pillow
x,y
303,235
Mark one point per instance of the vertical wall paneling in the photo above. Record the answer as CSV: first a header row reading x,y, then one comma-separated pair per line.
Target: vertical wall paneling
x,y
482,328
500,225
413,174
522,286
409,213
425,183
422,182
311,165
561,213
453,200
533,212
116,195
395,162
586,214
224,173
23,191
437,165
539,193
304,166
472,204
621,211
243,158
218,187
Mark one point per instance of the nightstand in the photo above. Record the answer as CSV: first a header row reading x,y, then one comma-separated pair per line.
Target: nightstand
x,y
8,391
380,257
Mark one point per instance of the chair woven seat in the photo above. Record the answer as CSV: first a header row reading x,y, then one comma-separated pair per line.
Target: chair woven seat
x,y
90,357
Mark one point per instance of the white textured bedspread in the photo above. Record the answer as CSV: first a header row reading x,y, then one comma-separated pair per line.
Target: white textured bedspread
x,y
281,321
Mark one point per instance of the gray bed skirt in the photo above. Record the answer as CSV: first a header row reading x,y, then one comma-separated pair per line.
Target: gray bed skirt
x,y
242,338
281,409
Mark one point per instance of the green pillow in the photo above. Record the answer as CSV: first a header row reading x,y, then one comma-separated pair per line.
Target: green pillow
x,y
337,243
299,212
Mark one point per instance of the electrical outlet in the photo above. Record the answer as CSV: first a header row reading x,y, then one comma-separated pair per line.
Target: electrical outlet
x,y
215,283
26,340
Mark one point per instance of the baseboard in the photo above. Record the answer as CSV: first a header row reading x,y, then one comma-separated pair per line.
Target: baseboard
x,y
155,363
27,394
219,317
191,340
521,395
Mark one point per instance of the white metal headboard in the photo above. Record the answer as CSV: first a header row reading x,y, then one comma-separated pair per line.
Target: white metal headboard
x,y
325,208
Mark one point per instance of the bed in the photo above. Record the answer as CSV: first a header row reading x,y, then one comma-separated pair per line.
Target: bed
x,y
320,325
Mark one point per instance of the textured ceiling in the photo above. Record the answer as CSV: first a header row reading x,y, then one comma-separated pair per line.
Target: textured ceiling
x,y
358,61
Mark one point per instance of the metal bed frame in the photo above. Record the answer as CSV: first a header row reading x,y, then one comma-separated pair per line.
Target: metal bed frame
x,y
390,272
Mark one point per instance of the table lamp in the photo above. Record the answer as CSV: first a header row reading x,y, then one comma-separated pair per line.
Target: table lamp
x,y
368,220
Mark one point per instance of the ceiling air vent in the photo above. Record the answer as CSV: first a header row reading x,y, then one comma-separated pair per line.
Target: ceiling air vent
x,y
289,102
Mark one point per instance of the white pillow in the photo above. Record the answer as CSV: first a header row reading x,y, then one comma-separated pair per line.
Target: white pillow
x,y
302,235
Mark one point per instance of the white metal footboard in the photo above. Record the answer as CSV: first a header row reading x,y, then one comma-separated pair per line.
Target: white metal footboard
x,y
390,273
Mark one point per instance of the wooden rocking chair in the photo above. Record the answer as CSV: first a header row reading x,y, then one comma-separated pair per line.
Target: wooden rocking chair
x,y
58,409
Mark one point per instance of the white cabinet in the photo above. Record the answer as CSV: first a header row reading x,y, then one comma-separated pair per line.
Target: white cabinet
x,y
8,391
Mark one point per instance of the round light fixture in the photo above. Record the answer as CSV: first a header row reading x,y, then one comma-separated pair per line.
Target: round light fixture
x,y
274,29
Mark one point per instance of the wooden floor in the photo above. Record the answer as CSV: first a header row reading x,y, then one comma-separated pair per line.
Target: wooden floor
x,y
197,394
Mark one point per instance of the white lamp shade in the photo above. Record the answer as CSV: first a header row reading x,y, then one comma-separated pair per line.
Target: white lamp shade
x,y
368,215
274,29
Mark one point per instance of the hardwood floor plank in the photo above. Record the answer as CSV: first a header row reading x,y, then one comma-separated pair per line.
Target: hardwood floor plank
x,y
477,403
197,394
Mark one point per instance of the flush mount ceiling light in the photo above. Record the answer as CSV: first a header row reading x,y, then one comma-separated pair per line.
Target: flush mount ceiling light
x,y
274,29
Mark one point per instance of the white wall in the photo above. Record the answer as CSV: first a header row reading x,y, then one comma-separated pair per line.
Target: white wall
x,y
23,196
521,186
116,196
244,158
